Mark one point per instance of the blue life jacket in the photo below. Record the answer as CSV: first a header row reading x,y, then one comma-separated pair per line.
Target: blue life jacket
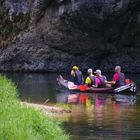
x,y
78,79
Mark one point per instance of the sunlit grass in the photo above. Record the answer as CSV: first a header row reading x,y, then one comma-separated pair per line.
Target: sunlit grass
x,y
21,123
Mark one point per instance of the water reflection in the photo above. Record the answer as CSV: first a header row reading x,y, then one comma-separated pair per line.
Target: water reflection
x,y
125,99
95,116
102,119
99,99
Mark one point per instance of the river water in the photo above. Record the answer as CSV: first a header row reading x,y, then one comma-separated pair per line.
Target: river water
x,y
94,116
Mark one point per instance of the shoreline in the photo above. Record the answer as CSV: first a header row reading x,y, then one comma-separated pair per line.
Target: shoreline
x,y
48,110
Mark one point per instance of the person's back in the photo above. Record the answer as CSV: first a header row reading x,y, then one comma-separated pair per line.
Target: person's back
x,y
119,78
77,76
101,81
90,80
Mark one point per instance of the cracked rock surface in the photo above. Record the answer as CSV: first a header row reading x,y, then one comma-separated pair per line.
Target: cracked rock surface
x,y
53,35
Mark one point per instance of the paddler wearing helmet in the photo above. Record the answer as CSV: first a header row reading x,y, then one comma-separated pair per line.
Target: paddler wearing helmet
x,y
77,75
90,80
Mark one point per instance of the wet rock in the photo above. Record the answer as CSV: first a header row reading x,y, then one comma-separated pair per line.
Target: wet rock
x,y
90,33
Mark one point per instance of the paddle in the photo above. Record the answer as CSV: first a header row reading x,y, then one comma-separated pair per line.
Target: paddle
x,y
83,87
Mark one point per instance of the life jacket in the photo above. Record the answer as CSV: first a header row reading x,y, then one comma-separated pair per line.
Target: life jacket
x,y
78,79
121,81
92,78
102,81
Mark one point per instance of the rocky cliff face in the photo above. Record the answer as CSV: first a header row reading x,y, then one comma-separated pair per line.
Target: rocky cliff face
x,y
53,35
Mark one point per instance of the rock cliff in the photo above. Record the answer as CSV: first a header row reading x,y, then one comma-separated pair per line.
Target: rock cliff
x,y
53,35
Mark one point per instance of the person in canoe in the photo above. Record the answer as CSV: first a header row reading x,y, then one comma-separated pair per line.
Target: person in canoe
x,y
118,78
77,75
90,80
100,81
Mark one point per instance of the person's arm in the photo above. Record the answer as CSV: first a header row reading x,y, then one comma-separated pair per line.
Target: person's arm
x,y
72,73
95,86
113,82
105,79
110,82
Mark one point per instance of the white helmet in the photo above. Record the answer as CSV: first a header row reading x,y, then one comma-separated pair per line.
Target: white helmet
x,y
90,71
98,72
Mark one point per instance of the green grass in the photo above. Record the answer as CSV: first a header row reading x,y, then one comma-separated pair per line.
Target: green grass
x,y
21,123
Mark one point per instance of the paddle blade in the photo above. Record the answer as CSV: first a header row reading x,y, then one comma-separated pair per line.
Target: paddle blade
x,y
83,87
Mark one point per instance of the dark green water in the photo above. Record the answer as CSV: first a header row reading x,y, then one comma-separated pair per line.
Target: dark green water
x,y
98,117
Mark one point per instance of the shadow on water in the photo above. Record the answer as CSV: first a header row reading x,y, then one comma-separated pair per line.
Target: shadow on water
x,y
35,87
94,116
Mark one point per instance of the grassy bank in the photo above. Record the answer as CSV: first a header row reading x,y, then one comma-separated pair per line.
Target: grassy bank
x,y
21,123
